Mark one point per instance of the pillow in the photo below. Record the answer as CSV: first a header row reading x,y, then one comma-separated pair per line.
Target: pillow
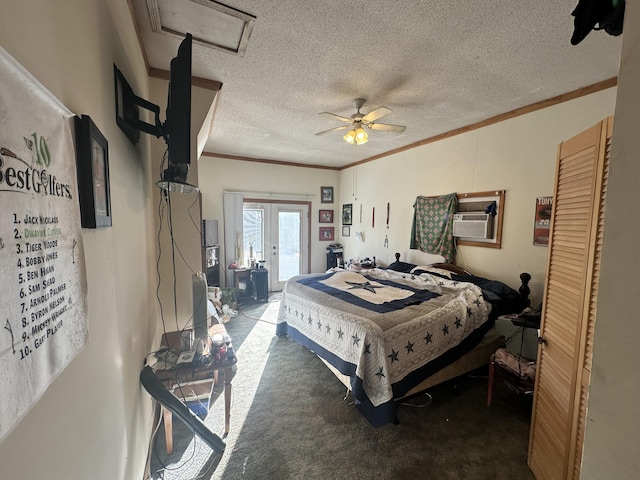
x,y
402,267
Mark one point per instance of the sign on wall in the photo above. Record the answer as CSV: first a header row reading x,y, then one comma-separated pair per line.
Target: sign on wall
x,y
43,309
542,225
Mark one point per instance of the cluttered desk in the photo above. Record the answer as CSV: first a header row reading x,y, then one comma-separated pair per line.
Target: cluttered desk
x,y
184,377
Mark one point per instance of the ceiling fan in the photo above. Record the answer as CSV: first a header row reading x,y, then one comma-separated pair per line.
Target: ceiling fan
x,y
357,121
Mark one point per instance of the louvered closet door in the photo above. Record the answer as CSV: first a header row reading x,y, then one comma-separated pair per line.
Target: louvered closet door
x,y
559,396
586,352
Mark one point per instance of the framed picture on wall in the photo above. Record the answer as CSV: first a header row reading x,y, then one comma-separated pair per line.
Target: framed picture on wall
x,y
326,194
325,216
92,159
347,214
327,233
346,231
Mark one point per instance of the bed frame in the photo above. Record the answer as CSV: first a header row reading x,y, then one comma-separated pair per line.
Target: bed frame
x,y
476,358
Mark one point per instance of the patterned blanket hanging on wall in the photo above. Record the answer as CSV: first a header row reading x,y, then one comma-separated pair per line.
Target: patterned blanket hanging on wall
x,y
432,228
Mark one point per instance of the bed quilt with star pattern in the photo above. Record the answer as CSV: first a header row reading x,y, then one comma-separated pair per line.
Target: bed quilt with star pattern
x,y
386,330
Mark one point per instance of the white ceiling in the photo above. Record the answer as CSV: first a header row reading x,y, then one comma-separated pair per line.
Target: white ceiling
x,y
437,65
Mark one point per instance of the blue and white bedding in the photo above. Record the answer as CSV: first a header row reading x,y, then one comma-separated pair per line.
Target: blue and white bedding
x,y
386,330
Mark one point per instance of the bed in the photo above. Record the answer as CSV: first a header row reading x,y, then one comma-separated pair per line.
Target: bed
x,y
390,333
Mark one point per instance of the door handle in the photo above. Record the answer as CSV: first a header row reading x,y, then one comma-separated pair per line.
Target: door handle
x,y
541,341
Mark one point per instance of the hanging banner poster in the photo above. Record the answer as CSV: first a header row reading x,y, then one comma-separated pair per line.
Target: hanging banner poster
x,y
43,322
542,225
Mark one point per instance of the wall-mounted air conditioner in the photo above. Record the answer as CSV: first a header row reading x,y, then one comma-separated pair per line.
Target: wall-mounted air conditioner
x,y
473,225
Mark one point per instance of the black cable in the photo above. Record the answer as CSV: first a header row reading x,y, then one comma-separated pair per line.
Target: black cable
x,y
160,211
173,260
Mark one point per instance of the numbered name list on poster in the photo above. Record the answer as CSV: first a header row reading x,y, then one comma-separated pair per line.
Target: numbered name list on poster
x,y
42,289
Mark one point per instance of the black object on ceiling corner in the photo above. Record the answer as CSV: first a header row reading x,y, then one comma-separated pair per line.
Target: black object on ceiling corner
x,y
607,14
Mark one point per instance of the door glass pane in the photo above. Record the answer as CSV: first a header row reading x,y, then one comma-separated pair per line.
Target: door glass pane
x,y
288,245
253,228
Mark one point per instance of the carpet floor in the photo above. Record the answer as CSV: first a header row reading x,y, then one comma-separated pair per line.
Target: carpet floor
x,y
289,421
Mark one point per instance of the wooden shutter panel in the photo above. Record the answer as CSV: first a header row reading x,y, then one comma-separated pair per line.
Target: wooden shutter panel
x,y
572,271
587,355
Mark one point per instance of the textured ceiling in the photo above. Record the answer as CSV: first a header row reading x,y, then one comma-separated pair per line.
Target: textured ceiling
x,y
437,65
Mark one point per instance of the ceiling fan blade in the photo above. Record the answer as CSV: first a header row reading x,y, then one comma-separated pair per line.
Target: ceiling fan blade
x,y
375,114
343,127
386,127
339,117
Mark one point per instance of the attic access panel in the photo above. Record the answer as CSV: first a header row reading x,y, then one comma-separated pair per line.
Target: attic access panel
x,y
211,24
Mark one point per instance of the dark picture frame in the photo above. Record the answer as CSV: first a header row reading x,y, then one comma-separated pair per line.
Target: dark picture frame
x,y
92,162
346,230
325,216
326,194
327,234
347,214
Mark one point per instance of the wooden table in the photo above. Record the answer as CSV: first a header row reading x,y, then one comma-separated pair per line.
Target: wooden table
x,y
189,377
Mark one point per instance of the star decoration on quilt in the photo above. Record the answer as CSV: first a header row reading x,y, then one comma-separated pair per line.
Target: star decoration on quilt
x,y
409,346
289,307
455,283
441,283
319,325
367,348
445,329
328,329
469,312
429,337
310,320
477,302
458,322
380,373
340,334
364,286
393,356
356,340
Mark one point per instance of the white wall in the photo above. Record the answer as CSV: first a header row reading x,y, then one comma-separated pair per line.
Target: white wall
x,y
217,175
517,155
612,439
183,223
94,421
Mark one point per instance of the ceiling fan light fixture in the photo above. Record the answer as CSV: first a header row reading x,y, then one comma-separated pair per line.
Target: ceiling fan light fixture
x,y
356,123
361,136
350,137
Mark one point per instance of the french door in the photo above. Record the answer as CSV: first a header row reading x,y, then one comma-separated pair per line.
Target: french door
x,y
276,235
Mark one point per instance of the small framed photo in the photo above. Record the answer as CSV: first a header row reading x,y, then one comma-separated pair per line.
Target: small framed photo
x,y
347,214
326,216
326,194
92,160
327,233
346,231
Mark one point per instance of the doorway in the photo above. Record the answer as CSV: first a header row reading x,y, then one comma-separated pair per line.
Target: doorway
x,y
276,235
